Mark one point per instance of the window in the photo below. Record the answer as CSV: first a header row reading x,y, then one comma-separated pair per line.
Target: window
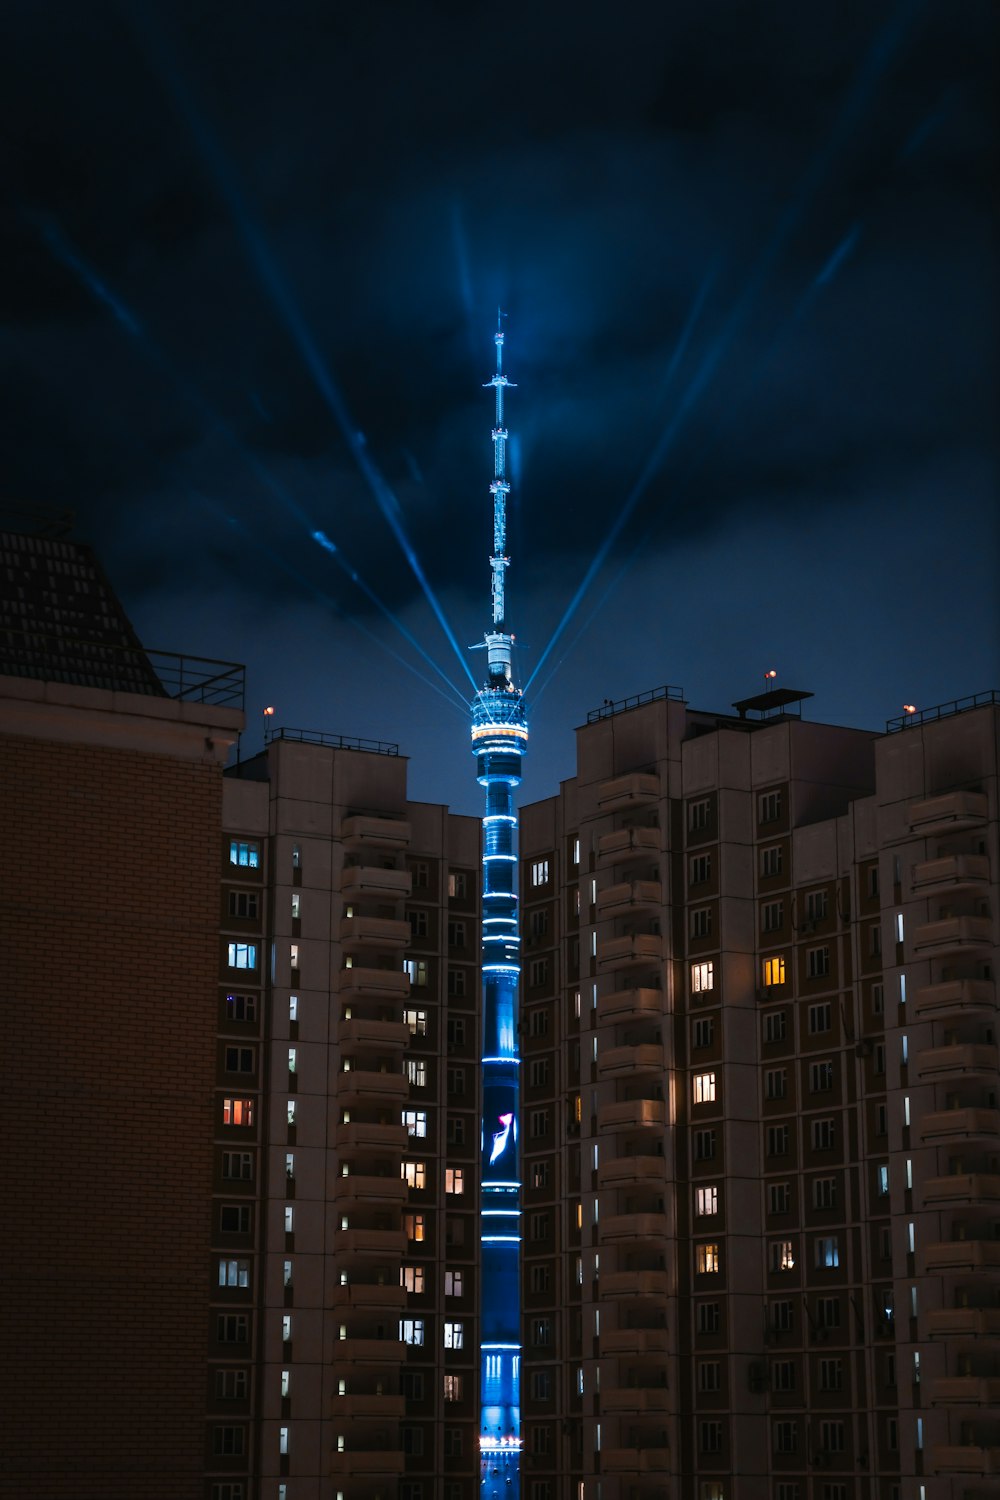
x,y
242,955
882,1180
417,970
821,1076
538,1072
827,1252
456,1032
702,978
710,1437
230,1489
415,1226
881,1119
539,1174
777,1140
768,807
817,906
453,1392
232,1328
454,1130
706,1259
234,1273
819,1018
823,1135
702,1032
708,1317
832,1437
772,916
538,924
538,972
700,869
418,922
458,884
293,956
704,1088
286,1328
775,1083
232,1385
241,1007
539,1278
413,1443
828,1312
416,1072
289,1219
540,872
291,1113
704,1145
706,1201
234,1218
456,934
701,922
415,1121
282,1439
878,999
245,853
773,972
831,1374
454,1335
412,1382
541,1332
238,1165
782,1316
538,1022
296,906
414,1174
817,962
779,1197
243,904
786,1437
411,1279
411,1330
824,1192
775,1026
456,984
783,1375
539,1227
771,861
872,882
237,1112
293,1060
538,1123
454,1180
416,1020
781,1255
540,1385
709,1375
699,814
228,1441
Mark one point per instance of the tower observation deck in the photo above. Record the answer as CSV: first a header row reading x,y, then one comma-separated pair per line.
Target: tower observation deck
x,y
499,739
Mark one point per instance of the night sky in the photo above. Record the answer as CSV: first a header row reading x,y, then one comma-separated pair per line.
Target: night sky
x,y
252,256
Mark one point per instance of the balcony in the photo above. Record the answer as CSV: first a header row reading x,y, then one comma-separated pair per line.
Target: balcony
x,y
362,830
631,1062
958,1256
377,984
949,813
622,1006
365,1243
374,932
635,1400
635,1460
632,1171
947,1125
622,1228
953,935
369,1406
965,1189
965,1390
360,1296
964,1323
960,1060
943,1459
362,1351
629,896
635,790
635,1284
364,1136
955,998
371,880
633,948
353,1465
361,1086
358,1032
952,872
634,1341
359,1187
626,844
633,1114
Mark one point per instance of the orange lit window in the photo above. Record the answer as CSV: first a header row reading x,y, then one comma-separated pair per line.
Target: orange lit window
x,y
237,1111
774,972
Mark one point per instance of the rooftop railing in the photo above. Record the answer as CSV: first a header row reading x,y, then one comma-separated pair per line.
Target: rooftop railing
x,y
120,667
332,741
608,708
941,711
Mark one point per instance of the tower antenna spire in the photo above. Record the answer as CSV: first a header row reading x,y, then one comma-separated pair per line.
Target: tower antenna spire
x,y
499,739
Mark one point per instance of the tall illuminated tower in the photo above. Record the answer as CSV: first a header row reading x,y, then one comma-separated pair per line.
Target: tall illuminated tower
x,y
499,737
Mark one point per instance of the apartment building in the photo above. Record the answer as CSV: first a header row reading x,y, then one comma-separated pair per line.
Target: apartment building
x,y
760,1122
344,1327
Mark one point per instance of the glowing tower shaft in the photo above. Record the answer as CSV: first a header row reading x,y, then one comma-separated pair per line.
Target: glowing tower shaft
x,y
499,737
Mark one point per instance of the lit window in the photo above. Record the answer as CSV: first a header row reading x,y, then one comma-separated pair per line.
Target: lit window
x,y
296,906
416,1020
453,1283
416,1072
411,1330
244,853
706,1259
414,1174
704,1088
411,1279
540,872
287,1272
706,1201
293,955
234,1273
899,927
282,1439
454,1335
293,1007
286,1328
458,885
454,1180
415,1121
291,1112
702,978
242,955
576,851
415,1226
293,1060
782,1255
827,1252
417,970
237,1111
453,1387
774,972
